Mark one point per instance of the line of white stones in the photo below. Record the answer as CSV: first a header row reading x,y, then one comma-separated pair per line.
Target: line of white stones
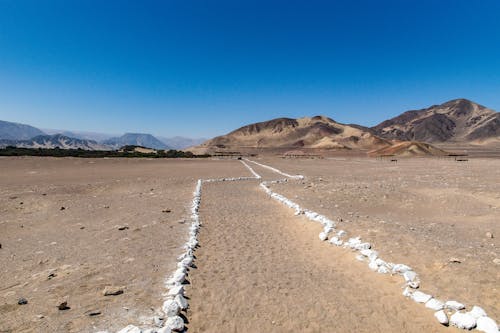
x,y
275,170
475,318
175,300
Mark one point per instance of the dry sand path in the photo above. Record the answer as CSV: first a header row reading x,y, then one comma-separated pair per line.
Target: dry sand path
x,y
262,269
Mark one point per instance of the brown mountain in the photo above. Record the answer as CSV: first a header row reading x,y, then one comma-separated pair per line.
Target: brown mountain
x,y
408,148
317,132
459,120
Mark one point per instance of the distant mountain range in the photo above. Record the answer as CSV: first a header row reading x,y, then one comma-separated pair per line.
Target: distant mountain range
x,y
457,121
21,135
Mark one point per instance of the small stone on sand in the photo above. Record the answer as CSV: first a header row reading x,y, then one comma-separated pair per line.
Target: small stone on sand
x,y
63,306
113,291
22,301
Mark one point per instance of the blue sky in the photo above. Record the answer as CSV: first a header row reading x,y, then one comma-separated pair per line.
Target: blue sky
x,y
203,68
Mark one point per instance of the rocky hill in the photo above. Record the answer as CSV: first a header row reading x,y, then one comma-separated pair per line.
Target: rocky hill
x,y
316,132
459,120
15,131
55,141
135,139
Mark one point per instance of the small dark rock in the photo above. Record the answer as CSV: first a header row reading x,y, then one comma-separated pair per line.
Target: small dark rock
x,y
63,306
44,194
63,208
21,203
94,313
22,301
51,275
82,228
123,228
113,291
166,211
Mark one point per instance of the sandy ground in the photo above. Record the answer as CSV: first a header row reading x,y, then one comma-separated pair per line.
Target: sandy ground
x,y
421,212
259,267
49,255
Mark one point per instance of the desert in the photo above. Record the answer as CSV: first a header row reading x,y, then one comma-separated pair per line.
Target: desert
x,y
72,228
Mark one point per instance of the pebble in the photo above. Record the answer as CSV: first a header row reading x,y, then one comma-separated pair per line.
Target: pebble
x,y
489,235
477,312
123,228
112,291
496,261
455,260
183,304
63,306
94,313
442,317
130,329
22,301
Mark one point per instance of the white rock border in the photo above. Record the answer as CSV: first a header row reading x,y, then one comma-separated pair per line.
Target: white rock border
x,y
476,318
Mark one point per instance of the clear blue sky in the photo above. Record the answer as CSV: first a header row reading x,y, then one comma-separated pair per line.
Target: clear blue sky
x,y
201,68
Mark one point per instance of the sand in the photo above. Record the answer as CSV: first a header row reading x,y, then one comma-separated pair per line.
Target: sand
x,y
82,245
259,267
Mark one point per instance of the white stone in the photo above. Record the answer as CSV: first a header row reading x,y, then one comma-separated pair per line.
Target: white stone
x,y
164,330
407,292
175,323
175,290
477,312
181,300
323,236
454,305
380,262
434,304
401,268
360,257
171,308
463,320
373,266
420,297
335,241
441,317
486,324
363,246
130,329
341,233
382,270
409,276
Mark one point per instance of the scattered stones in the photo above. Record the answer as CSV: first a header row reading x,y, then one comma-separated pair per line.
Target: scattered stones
x,y
124,227
442,317
113,291
63,306
22,301
463,320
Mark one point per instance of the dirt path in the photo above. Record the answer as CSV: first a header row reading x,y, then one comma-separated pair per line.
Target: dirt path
x,y
261,269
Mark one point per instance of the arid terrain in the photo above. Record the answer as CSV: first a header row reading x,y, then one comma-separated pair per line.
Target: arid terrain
x,y
259,267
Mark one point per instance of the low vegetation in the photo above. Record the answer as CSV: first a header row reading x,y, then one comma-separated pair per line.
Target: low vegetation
x,y
57,152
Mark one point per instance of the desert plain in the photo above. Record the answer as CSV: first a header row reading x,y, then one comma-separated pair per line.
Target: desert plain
x,y
71,229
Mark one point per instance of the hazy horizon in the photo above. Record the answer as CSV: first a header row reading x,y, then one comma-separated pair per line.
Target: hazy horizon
x,y
203,69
